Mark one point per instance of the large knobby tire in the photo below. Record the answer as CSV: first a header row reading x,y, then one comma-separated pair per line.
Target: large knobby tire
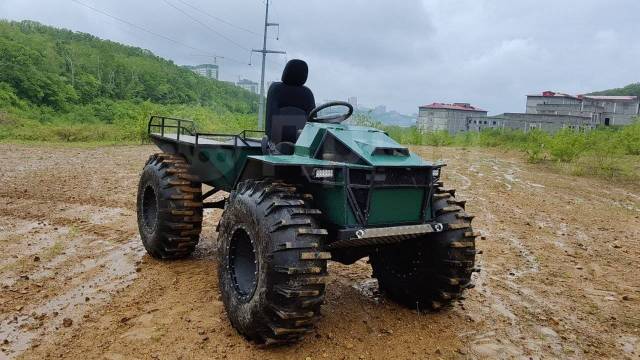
x,y
169,207
432,271
271,268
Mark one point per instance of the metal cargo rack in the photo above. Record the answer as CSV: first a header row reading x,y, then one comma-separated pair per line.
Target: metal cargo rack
x,y
183,131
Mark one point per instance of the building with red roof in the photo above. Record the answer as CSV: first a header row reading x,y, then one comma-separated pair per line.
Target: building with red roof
x,y
550,111
447,117
604,110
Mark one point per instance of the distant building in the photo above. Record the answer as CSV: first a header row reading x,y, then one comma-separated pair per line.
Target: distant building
x,y
549,111
380,109
527,122
353,101
249,85
617,110
550,102
453,118
604,110
210,71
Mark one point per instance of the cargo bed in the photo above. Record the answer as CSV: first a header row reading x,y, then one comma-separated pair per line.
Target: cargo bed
x,y
201,139
215,158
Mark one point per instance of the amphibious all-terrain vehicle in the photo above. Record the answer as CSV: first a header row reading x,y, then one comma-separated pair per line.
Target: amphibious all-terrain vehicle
x,y
311,189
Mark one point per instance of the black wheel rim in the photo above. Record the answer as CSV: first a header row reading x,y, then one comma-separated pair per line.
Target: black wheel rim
x,y
149,208
243,266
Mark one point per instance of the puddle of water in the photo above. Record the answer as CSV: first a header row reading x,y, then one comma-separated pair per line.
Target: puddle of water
x,y
466,182
25,238
58,236
501,309
34,321
629,344
510,177
532,263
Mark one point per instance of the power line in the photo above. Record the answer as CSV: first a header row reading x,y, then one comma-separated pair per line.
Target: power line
x,y
208,27
152,32
219,19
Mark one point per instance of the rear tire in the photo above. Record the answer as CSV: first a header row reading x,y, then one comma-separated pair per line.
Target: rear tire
x,y
169,207
433,271
271,268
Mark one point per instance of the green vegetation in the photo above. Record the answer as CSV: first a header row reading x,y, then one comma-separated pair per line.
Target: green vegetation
x,y
59,85
611,152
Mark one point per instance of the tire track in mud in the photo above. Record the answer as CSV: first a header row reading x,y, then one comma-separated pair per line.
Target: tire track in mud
x,y
559,330
466,182
490,283
483,343
505,293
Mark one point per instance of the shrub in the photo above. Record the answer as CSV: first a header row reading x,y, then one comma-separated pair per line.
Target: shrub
x,y
630,138
566,145
438,138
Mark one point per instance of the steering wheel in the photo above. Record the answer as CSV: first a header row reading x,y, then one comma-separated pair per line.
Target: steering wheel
x,y
333,118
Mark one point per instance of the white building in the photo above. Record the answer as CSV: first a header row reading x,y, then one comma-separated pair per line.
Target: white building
x,y
249,85
353,101
448,117
210,71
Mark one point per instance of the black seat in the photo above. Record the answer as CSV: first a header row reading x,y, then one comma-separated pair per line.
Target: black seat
x,y
288,104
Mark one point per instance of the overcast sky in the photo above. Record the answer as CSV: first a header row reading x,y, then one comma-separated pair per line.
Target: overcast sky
x,y
398,53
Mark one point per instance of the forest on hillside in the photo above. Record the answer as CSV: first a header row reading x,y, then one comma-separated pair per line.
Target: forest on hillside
x,y
629,90
55,80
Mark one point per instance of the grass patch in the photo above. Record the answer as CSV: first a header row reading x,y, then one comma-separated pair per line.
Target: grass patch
x,y
73,232
53,251
125,123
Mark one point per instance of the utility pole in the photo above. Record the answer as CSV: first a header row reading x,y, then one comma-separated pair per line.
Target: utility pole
x,y
215,63
264,52
73,72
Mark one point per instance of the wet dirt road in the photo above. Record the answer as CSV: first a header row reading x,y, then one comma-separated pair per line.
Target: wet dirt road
x,y
560,271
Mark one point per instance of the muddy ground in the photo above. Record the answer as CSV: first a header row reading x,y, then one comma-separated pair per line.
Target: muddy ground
x,y
560,271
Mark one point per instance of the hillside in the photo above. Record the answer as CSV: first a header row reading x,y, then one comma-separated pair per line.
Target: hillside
x,y
388,118
55,79
629,90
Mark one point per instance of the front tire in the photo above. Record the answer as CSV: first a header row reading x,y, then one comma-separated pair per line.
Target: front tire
x,y
169,207
433,271
271,268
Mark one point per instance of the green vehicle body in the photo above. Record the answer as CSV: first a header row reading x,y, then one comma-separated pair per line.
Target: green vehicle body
x,y
376,182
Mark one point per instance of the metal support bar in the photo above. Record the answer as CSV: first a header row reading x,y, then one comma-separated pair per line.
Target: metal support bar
x,y
209,193
388,235
215,205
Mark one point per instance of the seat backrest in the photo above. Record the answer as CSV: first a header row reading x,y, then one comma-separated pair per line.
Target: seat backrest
x,y
288,103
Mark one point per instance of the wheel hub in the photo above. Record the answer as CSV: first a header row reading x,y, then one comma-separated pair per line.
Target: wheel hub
x,y
243,266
